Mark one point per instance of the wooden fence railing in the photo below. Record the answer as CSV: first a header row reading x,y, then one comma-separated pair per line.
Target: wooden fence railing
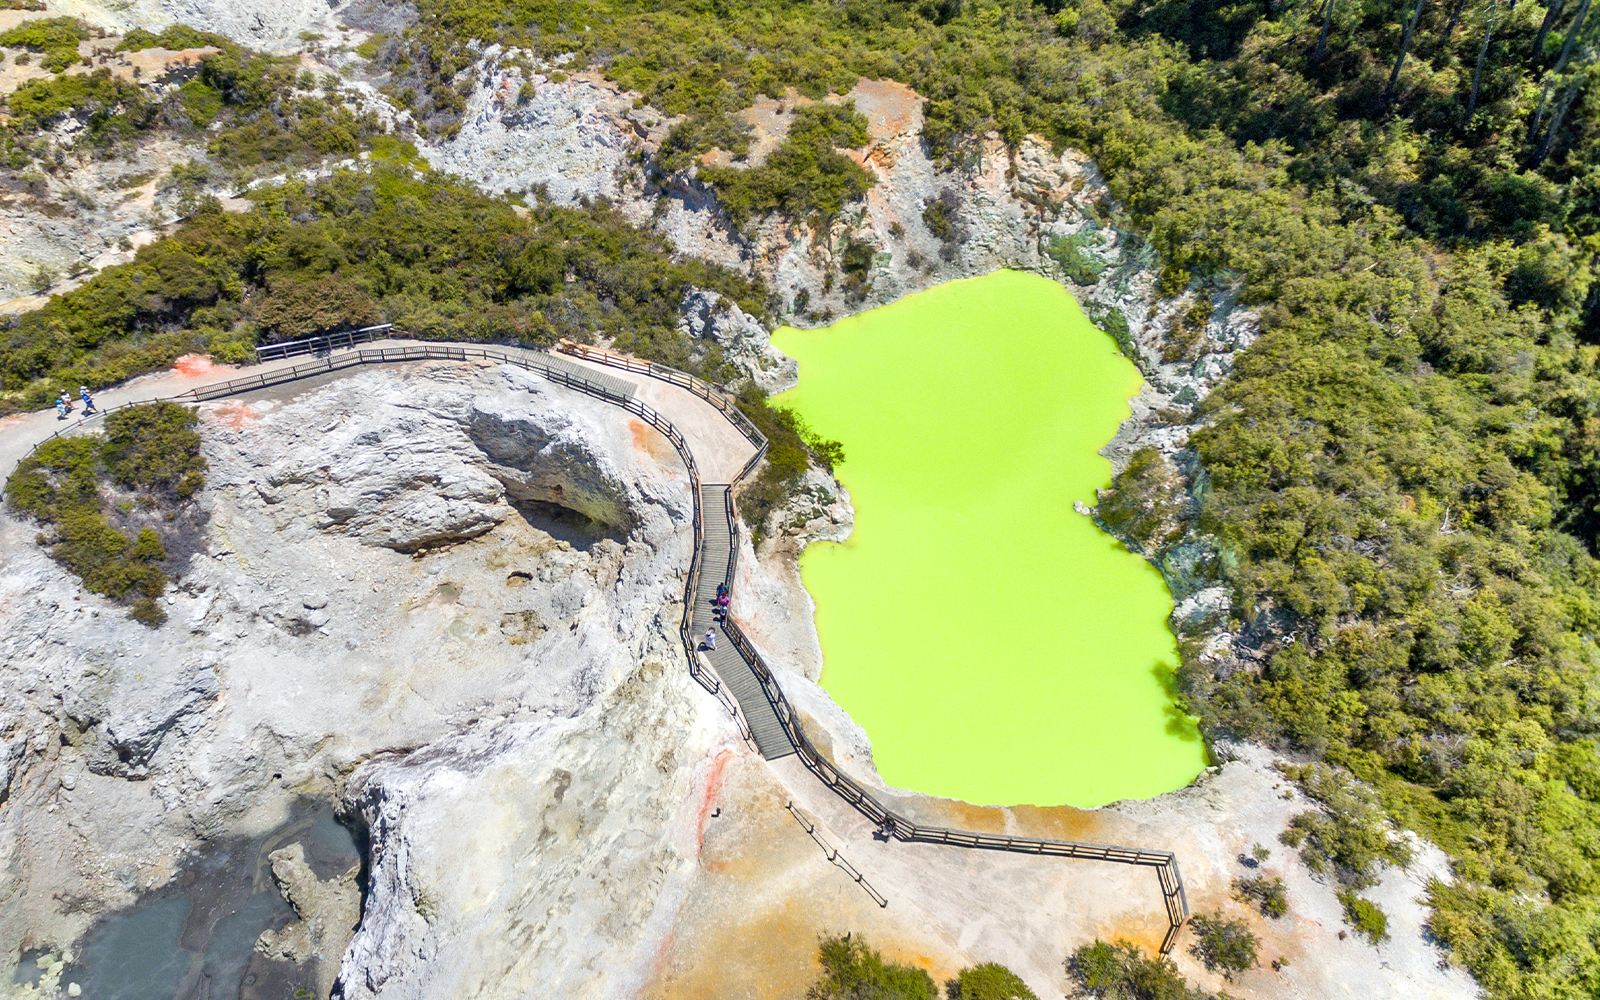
x,y
842,784
325,344
893,823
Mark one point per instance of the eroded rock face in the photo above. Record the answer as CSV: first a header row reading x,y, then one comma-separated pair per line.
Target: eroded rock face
x,y
439,461
497,870
571,138
708,316
532,783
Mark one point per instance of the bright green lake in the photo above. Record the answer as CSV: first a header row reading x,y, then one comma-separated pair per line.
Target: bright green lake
x,y
996,646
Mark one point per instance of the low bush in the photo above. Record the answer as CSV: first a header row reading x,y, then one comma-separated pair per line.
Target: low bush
x,y
791,444
805,177
1121,971
110,108
1068,253
1365,916
1266,893
149,455
1146,506
989,981
853,971
56,37
1352,840
1222,944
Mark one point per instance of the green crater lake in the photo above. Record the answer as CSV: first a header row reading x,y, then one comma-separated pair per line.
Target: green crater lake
x,y
996,646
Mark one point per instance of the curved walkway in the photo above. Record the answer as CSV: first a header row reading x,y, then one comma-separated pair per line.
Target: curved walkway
x,y
730,447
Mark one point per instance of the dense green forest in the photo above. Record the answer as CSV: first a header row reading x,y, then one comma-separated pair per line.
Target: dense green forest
x,y
1402,476
431,254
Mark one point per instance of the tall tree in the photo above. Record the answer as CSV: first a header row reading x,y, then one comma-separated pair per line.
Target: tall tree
x,y
1322,38
1572,36
1552,84
1405,47
1490,16
1556,119
1552,14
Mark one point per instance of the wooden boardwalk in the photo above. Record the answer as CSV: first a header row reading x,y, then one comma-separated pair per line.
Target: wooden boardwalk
x,y
715,548
738,676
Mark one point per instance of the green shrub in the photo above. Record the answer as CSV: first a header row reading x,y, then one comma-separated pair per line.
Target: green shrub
x,y
1366,917
804,178
853,971
147,612
176,37
1079,267
1267,894
989,981
693,136
1121,971
56,37
791,444
1222,944
1112,321
1351,841
150,451
1147,505
110,107
154,449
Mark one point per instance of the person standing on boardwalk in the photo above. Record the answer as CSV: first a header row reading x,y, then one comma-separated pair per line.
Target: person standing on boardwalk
x,y
61,408
88,400
711,639
66,401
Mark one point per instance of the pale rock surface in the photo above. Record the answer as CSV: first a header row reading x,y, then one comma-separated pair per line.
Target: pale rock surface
x,y
573,138
327,911
125,747
707,314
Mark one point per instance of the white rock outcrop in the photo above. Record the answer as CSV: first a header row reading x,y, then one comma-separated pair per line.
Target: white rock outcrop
x,y
533,783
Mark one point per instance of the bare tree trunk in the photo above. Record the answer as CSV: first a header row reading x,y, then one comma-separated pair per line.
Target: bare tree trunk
x,y
1405,46
1477,71
1551,16
1322,39
1455,19
1538,113
1555,122
1572,36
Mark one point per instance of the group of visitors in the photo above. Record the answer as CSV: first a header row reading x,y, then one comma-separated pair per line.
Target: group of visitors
x,y
719,610
64,403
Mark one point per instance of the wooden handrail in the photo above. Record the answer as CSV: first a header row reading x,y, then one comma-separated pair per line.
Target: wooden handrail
x,y
901,828
1165,862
